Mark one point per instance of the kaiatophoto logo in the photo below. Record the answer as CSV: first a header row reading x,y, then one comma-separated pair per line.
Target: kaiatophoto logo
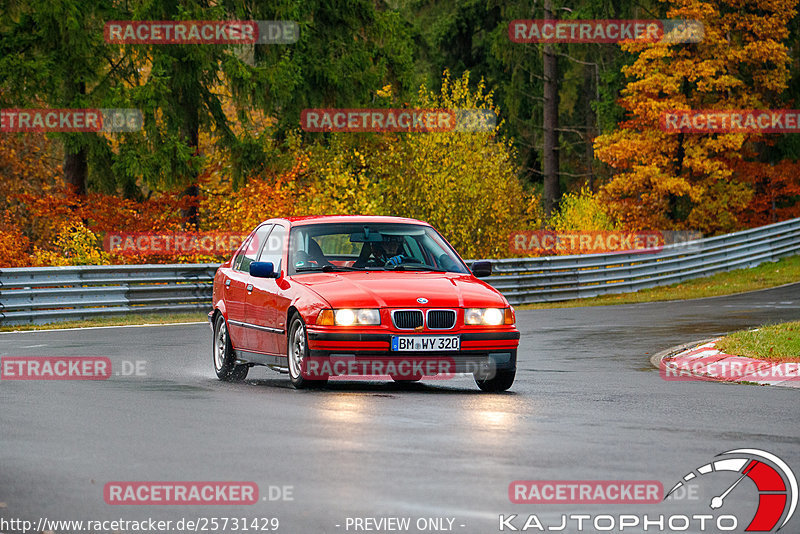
x,y
725,492
775,484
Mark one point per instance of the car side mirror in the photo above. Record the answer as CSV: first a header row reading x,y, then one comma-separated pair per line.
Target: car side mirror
x,y
482,268
263,269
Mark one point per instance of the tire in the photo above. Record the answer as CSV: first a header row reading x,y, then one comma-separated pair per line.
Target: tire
x,y
239,373
223,356
501,381
296,352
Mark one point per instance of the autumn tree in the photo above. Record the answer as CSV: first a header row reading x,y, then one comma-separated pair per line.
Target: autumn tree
x,y
692,180
54,55
346,49
464,183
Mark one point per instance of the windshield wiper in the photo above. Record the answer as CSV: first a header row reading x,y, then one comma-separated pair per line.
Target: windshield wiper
x,y
342,268
327,268
415,267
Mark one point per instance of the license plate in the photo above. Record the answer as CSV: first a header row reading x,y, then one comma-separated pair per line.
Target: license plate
x,y
425,343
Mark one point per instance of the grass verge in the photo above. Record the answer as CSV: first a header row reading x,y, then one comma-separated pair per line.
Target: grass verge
x,y
779,342
784,271
122,320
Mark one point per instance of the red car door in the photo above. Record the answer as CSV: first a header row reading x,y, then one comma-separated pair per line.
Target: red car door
x,y
240,287
233,293
262,303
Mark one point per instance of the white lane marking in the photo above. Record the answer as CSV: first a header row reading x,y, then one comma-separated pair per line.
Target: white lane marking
x,y
33,346
101,327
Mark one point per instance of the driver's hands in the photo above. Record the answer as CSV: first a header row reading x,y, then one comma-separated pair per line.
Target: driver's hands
x,y
395,260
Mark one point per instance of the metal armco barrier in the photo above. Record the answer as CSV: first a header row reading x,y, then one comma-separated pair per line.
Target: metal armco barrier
x,y
49,294
38,295
554,278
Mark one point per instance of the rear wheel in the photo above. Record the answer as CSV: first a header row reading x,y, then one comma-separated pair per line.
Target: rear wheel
x,y
501,381
224,356
297,352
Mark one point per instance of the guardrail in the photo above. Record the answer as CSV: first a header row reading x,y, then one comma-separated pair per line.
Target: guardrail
x,y
554,278
48,294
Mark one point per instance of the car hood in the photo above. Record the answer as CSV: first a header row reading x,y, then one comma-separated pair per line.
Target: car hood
x,y
390,289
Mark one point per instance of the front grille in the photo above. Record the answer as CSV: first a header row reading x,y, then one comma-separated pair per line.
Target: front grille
x,y
441,319
407,319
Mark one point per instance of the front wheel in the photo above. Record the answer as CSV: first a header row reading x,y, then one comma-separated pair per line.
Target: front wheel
x,y
501,381
297,352
224,356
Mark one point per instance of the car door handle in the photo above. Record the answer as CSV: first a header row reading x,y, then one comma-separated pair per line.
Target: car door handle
x,y
249,287
228,282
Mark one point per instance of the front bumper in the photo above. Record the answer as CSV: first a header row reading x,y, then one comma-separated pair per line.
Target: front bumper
x,y
481,353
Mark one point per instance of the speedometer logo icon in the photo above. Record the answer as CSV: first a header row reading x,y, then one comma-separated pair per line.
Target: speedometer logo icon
x,y
774,480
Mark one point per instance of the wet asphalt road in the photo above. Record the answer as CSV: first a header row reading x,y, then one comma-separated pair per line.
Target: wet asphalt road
x,y
586,405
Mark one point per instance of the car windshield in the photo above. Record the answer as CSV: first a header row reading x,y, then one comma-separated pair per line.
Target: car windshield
x,y
369,247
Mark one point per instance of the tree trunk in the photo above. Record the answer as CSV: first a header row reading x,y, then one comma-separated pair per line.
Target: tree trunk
x,y
589,122
191,134
75,169
550,126
76,166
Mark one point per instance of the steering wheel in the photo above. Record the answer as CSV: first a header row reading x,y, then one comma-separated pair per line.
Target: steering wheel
x,y
403,259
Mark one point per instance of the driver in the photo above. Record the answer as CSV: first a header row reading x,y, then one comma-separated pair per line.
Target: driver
x,y
389,251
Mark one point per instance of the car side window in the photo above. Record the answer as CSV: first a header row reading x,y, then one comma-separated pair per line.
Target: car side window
x,y
250,250
237,262
273,247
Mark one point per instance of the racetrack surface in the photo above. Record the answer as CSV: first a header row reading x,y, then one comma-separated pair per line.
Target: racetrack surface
x,y
586,405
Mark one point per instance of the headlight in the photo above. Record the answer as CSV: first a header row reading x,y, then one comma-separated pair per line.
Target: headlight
x,y
348,317
484,316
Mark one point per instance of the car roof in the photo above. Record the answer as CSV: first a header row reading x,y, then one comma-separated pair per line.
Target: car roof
x,y
333,219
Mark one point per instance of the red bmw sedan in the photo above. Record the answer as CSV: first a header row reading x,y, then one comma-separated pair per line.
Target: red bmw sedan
x,y
359,296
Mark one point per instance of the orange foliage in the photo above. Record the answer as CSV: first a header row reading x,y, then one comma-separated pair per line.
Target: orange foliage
x,y
13,244
59,227
695,181
28,164
259,199
776,192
